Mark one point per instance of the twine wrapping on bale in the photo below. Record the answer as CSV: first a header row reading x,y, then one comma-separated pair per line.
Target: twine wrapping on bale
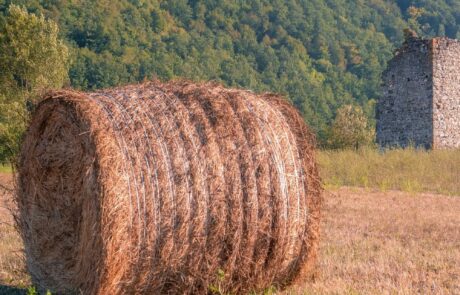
x,y
167,188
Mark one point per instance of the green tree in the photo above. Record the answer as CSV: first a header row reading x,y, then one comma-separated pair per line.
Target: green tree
x,y
320,54
32,59
350,128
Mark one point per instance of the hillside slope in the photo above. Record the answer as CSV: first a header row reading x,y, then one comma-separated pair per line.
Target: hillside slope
x,y
320,53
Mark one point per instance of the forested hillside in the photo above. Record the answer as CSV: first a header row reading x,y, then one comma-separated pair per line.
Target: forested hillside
x,y
320,53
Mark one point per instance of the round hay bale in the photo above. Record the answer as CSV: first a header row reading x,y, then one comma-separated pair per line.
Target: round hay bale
x,y
176,188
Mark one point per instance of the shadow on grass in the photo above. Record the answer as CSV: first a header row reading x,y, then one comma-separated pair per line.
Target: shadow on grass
x,y
7,290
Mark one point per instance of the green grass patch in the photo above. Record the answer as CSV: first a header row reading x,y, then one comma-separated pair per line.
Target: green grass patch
x,y
5,168
409,170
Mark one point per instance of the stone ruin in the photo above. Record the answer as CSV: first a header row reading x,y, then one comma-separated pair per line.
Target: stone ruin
x,y
420,103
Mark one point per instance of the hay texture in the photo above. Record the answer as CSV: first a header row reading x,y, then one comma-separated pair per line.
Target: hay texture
x,y
175,188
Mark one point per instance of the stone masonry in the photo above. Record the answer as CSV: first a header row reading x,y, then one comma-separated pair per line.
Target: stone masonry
x,y
420,103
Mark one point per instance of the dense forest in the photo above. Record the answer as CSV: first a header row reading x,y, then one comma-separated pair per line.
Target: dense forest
x,y
321,54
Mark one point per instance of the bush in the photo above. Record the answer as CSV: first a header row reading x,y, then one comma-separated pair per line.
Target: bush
x,y
350,129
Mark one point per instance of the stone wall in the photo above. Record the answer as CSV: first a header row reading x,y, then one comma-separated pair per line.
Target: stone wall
x,y
446,90
404,112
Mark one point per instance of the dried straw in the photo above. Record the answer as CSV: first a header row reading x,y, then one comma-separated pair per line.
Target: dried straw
x,y
167,188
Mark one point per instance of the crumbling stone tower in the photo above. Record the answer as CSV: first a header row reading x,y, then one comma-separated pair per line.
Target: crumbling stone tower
x,y
420,101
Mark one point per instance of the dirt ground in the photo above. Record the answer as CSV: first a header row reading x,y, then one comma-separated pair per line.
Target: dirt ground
x,y
372,243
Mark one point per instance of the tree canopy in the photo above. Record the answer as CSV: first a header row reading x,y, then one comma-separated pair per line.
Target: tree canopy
x,y
350,129
32,59
321,54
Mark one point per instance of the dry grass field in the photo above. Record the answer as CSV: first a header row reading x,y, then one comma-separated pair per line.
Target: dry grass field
x,y
388,243
372,243
409,170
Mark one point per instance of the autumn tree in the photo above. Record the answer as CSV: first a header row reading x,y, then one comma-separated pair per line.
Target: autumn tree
x,y
414,14
32,59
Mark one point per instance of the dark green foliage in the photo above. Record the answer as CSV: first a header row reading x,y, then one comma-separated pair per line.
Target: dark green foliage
x,y
32,59
321,53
